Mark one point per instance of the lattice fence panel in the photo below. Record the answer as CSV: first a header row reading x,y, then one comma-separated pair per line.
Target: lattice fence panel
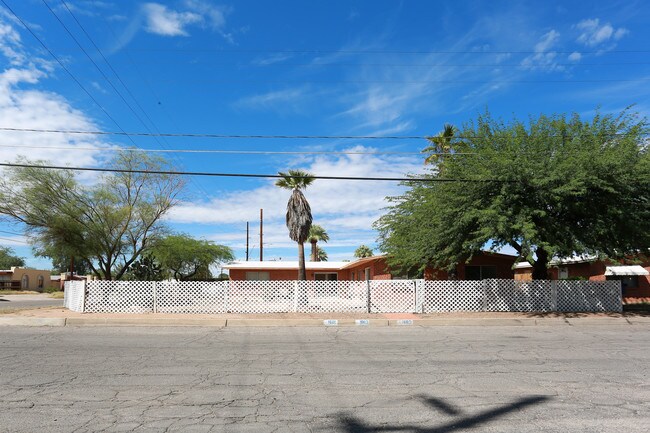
x,y
589,296
259,296
449,295
392,296
511,295
197,297
332,296
73,295
119,297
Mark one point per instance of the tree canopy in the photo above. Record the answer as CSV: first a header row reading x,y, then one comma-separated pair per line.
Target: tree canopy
x,y
182,257
106,223
8,259
554,186
363,251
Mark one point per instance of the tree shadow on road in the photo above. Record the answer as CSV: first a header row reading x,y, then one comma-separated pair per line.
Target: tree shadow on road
x,y
352,424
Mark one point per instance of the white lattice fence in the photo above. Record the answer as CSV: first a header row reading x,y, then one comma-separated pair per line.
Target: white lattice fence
x,y
589,296
73,295
120,297
379,296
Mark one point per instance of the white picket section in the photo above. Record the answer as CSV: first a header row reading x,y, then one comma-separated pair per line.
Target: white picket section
x,y
73,295
376,296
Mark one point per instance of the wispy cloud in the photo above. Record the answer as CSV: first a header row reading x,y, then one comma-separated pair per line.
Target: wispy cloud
x,y
544,57
163,21
594,34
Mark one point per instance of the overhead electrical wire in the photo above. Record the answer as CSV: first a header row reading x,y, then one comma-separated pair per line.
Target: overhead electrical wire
x,y
319,51
254,136
104,75
224,151
253,175
74,78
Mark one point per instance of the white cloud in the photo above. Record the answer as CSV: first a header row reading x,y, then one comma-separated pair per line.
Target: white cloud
x,y
22,107
574,56
544,58
276,99
166,22
346,209
593,33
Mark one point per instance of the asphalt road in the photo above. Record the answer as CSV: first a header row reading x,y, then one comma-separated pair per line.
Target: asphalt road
x,y
404,379
11,302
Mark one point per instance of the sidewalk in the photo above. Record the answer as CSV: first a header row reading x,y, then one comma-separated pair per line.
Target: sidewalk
x,y
64,317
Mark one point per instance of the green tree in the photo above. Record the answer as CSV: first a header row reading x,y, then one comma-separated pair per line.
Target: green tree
x,y
9,259
363,251
441,144
184,258
316,234
321,254
108,224
145,269
555,186
299,217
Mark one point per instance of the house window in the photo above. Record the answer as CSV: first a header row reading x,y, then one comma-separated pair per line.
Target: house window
x,y
258,276
480,272
352,276
326,276
627,281
41,281
367,273
563,273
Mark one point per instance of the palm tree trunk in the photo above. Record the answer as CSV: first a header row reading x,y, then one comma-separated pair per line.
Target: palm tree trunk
x,y
302,273
314,255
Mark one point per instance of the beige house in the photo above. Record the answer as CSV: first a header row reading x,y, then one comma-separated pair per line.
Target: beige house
x,y
18,278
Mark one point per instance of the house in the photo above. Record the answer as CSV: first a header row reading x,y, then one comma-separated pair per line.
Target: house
x,y
18,278
482,266
369,268
635,279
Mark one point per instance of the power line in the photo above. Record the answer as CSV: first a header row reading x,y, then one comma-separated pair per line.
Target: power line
x,y
220,151
11,233
259,136
114,73
417,65
250,175
319,51
66,69
14,240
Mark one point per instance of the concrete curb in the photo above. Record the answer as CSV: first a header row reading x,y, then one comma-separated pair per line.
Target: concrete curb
x,y
148,321
32,321
360,323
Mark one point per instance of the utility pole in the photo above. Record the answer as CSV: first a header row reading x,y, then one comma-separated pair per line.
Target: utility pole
x,y
261,235
247,237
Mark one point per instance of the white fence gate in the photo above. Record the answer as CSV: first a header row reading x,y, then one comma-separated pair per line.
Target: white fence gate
x,y
376,296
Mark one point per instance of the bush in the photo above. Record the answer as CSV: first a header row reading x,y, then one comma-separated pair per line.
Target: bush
x,y
51,289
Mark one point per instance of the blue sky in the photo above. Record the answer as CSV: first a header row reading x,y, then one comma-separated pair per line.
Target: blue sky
x,y
302,68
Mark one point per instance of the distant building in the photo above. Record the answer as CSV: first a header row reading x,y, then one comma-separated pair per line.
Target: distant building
x,y
635,279
18,278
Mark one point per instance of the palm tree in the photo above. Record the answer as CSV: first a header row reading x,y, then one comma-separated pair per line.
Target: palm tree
x,y
298,212
317,233
363,251
321,254
440,144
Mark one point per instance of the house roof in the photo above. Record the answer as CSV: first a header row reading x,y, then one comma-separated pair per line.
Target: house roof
x,y
285,264
293,264
625,270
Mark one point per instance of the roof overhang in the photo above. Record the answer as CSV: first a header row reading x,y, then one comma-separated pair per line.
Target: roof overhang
x,y
625,270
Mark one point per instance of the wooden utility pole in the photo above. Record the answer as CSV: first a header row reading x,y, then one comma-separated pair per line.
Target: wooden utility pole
x,y
247,236
261,235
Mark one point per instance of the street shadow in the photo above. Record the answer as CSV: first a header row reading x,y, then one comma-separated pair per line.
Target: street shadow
x,y
461,421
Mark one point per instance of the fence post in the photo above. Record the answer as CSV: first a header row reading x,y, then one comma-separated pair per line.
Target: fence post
x,y
554,305
415,296
155,300
295,296
83,297
485,295
419,299
368,295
